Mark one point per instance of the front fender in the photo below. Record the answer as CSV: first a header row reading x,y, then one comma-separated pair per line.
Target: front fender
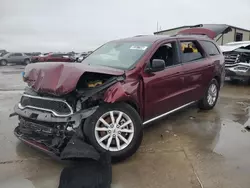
x,y
127,92
115,93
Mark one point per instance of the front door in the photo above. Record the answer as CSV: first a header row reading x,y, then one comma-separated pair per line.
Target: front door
x,y
11,58
163,89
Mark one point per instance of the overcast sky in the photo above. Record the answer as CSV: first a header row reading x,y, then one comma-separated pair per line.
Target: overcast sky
x,y
65,25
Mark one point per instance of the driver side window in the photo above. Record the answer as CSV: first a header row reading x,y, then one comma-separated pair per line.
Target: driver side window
x,y
166,52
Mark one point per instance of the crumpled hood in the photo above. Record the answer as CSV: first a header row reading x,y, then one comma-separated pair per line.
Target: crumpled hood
x,y
234,46
60,78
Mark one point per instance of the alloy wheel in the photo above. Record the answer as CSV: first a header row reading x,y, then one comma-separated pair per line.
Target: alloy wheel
x,y
26,62
114,131
212,94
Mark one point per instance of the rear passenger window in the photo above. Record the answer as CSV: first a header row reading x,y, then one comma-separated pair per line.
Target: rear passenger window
x,y
17,54
191,51
210,48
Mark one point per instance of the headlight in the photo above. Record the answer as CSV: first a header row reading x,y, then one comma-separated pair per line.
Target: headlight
x,y
78,105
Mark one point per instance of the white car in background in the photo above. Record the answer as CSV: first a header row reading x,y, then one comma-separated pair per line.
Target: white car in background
x,y
237,60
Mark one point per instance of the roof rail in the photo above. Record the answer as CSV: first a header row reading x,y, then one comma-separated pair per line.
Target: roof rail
x,y
203,35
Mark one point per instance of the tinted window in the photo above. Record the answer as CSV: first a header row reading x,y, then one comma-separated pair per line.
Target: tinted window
x,y
210,48
10,55
17,54
191,51
3,54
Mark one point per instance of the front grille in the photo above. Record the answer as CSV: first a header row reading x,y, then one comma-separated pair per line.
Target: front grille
x,y
56,106
231,58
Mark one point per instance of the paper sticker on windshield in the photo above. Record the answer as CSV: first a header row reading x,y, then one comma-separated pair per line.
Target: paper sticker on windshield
x,y
138,48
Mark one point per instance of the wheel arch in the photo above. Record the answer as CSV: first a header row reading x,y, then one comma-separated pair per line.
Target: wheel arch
x,y
217,78
133,104
4,60
117,94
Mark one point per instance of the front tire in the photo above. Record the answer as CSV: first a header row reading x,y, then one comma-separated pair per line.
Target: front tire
x,y
116,128
3,62
211,96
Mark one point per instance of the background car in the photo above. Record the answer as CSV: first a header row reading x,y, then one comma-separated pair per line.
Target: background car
x,y
237,60
53,57
14,58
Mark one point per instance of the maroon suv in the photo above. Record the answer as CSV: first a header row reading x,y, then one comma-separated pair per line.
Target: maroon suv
x,y
123,85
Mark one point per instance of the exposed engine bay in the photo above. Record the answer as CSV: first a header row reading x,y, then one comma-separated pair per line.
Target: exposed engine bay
x,y
50,122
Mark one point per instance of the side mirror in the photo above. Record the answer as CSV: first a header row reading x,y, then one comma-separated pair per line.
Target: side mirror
x,y
156,65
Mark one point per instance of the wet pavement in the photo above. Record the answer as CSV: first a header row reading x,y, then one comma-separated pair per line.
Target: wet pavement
x,y
190,148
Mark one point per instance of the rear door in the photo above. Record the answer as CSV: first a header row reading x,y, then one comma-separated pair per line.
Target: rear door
x,y
11,58
163,89
197,69
217,61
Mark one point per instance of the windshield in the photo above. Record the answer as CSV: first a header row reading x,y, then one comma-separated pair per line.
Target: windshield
x,y
3,54
121,55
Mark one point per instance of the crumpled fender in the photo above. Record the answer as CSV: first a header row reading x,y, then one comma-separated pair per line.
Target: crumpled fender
x,y
115,93
118,92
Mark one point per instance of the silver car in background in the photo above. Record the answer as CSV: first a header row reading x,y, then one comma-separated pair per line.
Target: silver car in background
x,y
237,60
14,58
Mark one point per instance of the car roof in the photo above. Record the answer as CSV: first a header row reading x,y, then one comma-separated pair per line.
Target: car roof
x,y
157,38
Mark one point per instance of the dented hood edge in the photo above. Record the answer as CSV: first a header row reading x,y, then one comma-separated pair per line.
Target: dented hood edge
x,y
60,78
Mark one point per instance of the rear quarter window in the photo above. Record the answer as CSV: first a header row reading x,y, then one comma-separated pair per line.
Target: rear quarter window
x,y
191,51
210,48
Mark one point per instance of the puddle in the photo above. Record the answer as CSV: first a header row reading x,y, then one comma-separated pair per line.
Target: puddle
x,y
233,142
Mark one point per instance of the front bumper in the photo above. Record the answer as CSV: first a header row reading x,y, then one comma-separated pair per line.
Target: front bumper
x,y
240,71
53,135
33,144
75,148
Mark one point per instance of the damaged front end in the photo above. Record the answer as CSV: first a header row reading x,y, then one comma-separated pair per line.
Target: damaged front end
x,y
54,123
237,60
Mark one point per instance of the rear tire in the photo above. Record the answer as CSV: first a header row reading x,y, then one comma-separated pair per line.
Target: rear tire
x,y
132,132
26,61
211,96
3,62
